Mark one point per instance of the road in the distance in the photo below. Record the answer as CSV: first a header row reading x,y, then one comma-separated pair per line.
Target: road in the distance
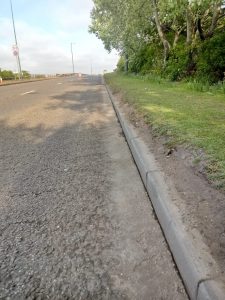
x,y
75,220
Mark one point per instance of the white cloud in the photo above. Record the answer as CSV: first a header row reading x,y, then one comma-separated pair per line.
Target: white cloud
x,y
71,14
47,50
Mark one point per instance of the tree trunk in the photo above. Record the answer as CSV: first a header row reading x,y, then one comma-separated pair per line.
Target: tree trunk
x,y
200,31
189,23
176,36
216,12
166,44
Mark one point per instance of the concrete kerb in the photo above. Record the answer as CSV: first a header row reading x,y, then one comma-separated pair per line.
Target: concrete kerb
x,y
198,269
211,289
143,158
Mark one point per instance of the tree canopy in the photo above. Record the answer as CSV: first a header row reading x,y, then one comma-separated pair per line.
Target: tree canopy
x,y
156,34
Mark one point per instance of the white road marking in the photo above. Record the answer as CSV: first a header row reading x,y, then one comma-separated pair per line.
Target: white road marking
x,y
59,83
30,92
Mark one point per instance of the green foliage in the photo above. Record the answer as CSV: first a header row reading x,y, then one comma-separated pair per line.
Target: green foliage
x,y
7,75
180,63
177,39
198,85
121,64
120,24
183,115
145,60
26,74
201,85
211,59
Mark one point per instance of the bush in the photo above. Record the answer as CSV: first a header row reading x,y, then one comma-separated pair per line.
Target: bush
x,y
180,63
121,64
26,75
203,64
211,59
145,60
7,75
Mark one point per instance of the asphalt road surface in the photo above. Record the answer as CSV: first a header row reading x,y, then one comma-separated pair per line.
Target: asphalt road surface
x,y
75,220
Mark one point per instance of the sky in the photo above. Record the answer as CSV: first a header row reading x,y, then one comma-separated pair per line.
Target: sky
x,y
45,30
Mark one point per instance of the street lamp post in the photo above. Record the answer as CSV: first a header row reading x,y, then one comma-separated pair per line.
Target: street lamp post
x,y
91,66
71,48
16,44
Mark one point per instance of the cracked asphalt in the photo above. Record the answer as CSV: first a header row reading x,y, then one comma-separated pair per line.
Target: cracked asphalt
x,y
75,220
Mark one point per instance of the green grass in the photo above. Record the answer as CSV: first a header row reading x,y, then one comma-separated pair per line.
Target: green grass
x,y
184,115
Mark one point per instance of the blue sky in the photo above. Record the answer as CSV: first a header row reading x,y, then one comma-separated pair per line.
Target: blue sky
x,y
45,29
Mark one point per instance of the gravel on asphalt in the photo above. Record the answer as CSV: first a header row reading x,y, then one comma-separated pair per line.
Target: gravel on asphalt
x,y
75,220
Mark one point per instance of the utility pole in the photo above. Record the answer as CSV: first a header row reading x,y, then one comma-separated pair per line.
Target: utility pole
x,y
16,44
91,67
71,46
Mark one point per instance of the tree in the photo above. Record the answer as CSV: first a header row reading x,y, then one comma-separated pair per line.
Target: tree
x,y
130,26
7,75
26,74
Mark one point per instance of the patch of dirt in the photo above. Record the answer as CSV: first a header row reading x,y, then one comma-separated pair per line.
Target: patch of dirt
x,y
202,206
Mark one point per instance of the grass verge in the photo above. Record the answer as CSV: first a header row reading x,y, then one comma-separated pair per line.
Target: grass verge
x,y
183,115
